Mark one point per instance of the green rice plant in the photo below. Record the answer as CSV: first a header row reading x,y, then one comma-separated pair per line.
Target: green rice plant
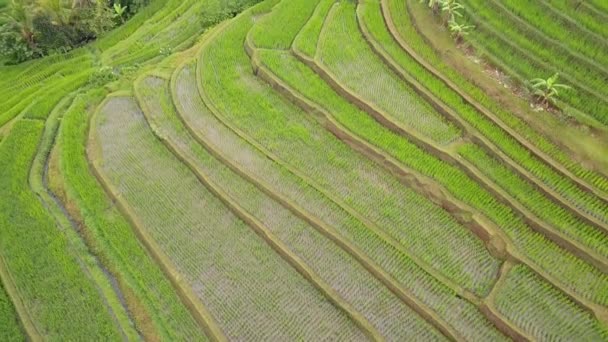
x,y
346,55
500,38
527,31
552,259
397,12
61,299
315,198
104,282
152,300
306,40
371,19
404,214
147,31
525,192
10,329
599,5
292,14
350,280
577,16
154,11
543,311
559,30
183,26
213,251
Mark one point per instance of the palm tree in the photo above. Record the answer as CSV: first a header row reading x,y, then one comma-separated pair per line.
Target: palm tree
x,y
547,90
60,11
21,18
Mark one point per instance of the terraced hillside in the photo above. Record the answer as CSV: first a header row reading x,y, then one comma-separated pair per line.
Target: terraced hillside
x,y
309,170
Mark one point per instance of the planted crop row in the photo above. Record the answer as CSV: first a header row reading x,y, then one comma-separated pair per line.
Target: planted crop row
x,y
163,37
293,15
282,179
397,14
590,233
150,297
214,251
38,256
405,215
90,264
35,106
500,17
583,232
345,54
599,5
544,312
577,15
531,244
512,51
146,31
525,192
561,31
302,42
371,19
10,328
391,317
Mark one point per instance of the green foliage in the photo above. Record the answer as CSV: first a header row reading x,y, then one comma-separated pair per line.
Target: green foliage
x,y
547,89
121,251
36,28
10,331
39,256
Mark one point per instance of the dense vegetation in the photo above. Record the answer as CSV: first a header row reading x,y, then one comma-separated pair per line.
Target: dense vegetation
x,y
194,170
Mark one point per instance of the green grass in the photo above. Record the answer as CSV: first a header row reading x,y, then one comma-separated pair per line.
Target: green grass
x,y
61,299
212,249
150,296
543,311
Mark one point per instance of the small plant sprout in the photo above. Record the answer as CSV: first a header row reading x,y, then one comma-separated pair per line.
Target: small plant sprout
x,y
119,11
546,90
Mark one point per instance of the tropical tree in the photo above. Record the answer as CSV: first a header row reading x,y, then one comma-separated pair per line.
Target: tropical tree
x,y
20,18
547,90
60,11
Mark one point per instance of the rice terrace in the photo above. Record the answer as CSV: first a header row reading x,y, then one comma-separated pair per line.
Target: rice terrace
x,y
304,170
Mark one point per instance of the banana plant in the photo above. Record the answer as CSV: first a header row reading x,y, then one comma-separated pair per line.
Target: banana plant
x,y
452,8
547,90
119,11
459,30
